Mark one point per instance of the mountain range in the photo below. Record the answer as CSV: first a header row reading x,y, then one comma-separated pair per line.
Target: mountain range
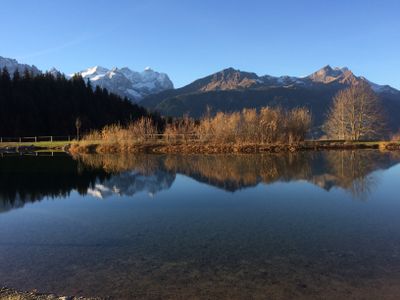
x,y
123,82
127,83
232,90
229,90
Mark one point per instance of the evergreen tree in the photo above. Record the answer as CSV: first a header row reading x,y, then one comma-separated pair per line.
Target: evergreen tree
x,y
49,105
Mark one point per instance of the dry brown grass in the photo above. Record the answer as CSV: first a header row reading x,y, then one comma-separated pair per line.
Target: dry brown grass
x,y
235,131
266,126
180,130
119,136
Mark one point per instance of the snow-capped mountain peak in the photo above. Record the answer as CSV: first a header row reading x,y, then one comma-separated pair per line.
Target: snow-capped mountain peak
x,y
128,83
13,65
94,71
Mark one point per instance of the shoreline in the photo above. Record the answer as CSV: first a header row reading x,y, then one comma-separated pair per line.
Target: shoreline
x,y
12,148
196,147
12,294
199,148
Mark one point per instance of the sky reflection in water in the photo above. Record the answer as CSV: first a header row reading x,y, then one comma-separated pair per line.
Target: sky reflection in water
x,y
218,226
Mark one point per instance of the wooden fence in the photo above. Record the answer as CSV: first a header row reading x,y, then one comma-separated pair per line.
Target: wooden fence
x,y
147,137
52,138
35,139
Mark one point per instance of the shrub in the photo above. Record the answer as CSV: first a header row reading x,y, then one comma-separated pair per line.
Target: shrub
x,y
269,125
266,126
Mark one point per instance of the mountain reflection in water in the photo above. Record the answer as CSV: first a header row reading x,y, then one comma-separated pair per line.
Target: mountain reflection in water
x,y
29,179
276,226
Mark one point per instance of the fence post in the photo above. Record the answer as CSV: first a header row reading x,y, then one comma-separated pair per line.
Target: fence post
x,y
35,139
51,138
20,139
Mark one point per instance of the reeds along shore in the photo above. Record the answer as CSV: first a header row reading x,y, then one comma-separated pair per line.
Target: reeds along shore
x,y
222,132
266,130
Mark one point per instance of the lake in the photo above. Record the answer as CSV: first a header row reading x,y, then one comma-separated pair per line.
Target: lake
x,y
308,225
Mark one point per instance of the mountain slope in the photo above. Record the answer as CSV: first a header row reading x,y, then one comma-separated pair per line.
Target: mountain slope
x,y
232,90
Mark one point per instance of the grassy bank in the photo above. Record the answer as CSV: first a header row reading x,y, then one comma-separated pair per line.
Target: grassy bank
x,y
34,146
194,147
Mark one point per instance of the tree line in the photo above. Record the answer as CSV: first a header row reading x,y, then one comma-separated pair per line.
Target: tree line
x,y
51,105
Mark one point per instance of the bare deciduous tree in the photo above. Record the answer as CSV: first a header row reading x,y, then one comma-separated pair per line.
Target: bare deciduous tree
x,y
356,114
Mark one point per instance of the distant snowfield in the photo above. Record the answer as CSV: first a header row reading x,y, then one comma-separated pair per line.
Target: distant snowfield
x,y
121,81
128,83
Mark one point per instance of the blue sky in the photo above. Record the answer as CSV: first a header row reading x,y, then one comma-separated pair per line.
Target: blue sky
x,y
190,39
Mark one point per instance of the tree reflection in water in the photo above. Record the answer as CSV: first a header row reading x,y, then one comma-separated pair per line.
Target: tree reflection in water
x,y
28,179
349,170
31,178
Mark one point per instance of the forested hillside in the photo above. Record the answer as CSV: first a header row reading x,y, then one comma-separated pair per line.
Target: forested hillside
x,y
49,105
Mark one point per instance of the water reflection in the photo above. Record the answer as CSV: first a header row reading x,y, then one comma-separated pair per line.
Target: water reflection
x,y
29,179
131,182
222,239
349,170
